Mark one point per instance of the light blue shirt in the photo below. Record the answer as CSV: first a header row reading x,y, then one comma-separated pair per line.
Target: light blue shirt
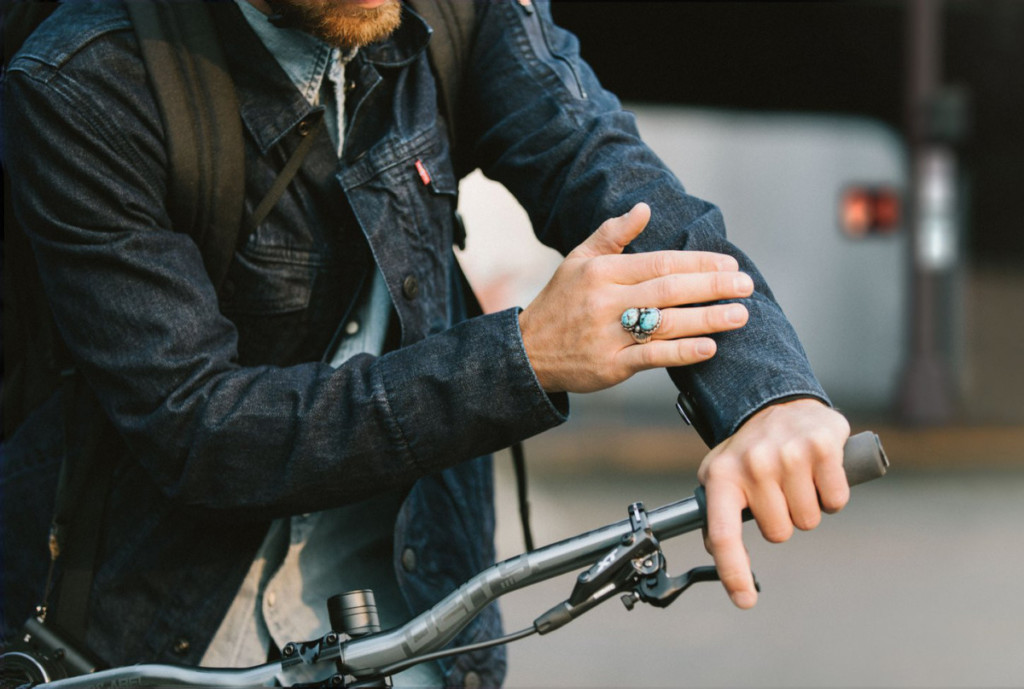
x,y
307,558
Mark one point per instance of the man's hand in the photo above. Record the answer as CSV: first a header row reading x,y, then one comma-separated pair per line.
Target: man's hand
x,y
786,464
572,332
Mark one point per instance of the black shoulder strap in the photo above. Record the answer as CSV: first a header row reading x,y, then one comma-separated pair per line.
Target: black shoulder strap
x,y
82,489
199,108
454,25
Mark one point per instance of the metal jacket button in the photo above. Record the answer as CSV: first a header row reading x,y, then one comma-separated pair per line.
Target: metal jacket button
x,y
181,646
410,287
409,560
305,128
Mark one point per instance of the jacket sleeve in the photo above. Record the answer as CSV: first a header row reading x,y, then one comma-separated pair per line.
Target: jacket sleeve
x,y
541,124
140,316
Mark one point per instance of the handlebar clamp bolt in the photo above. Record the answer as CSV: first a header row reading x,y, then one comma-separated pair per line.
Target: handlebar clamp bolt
x,y
288,650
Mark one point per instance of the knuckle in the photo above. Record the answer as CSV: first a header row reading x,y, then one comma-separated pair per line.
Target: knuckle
x,y
712,319
732,577
729,263
710,263
594,271
662,263
667,290
807,522
777,532
722,283
835,500
821,442
711,472
720,537
760,462
792,455
592,299
649,356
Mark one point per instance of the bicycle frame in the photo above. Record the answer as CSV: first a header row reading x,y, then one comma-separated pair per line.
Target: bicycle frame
x,y
386,652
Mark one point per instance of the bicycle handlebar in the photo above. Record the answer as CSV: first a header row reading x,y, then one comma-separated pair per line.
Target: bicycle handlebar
x,y
863,460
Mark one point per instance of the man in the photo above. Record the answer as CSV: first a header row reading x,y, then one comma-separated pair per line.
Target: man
x,y
314,424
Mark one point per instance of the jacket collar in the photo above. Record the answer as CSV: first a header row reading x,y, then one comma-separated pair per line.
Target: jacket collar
x,y
270,104
404,46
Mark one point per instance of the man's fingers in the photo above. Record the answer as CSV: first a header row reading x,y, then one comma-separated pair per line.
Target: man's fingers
x,y
804,509
678,341
833,488
637,268
769,507
700,320
614,234
724,540
666,353
690,288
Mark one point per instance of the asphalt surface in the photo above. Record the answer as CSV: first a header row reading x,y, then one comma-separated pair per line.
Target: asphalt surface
x,y
916,584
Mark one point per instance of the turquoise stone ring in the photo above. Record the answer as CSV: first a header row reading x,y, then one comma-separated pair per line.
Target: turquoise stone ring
x,y
641,322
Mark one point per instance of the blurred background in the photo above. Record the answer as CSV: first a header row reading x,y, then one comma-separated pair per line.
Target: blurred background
x,y
869,156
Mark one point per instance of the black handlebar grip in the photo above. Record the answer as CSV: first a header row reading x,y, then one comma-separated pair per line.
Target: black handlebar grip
x,y
863,460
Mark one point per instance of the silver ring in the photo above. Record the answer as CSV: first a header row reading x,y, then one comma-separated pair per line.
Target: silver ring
x,y
641,323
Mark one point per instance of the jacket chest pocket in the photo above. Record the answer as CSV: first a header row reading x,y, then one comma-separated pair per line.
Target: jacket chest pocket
x,y
286,304
432,197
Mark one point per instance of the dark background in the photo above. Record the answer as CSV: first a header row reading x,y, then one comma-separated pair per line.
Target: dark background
x,y
830,57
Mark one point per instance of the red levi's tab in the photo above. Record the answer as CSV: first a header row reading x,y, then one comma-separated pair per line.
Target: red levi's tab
x,y
422,170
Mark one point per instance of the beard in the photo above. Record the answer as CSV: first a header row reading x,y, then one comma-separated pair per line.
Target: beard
x,y
338,23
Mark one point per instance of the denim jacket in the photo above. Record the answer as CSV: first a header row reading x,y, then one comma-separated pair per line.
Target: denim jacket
x,y
227,414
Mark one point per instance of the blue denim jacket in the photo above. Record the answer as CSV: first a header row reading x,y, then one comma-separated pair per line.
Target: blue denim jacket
x,y
227,414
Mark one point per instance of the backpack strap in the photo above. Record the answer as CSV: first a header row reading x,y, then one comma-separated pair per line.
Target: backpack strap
x,y
199,109
450,47
83,487
200,113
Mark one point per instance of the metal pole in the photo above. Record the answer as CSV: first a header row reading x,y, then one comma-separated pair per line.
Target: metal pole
x,y
927,395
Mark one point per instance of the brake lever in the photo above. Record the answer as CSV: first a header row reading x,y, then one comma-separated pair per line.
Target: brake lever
x,y
637,555
661,590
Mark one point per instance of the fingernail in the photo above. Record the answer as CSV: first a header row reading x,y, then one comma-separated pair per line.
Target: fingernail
x,y
744,599
705,347
743,283
736,314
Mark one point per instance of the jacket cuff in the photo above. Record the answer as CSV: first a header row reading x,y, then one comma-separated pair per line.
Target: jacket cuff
x,y
465,392
692,414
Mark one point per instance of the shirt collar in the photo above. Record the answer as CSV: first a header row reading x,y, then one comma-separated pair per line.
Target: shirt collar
x,y
269,101
305,59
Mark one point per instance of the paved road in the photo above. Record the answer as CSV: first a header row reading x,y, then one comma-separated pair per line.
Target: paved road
x,y
916,584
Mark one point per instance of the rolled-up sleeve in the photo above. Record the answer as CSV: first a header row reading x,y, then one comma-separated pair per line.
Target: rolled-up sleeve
x,y
543,126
